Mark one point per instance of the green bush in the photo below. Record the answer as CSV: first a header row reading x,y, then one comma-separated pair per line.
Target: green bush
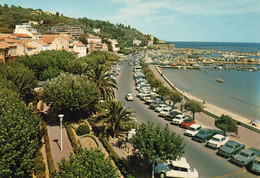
x,y
51,165
39,167
72,138
82,129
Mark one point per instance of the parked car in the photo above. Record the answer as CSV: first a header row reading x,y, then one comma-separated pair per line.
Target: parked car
x,y
187,122
244,157
179,119
193,129
230,148
151,99
205,134
161,107
217,141
165,112
178,168
155,104
255,166
129,97
173,114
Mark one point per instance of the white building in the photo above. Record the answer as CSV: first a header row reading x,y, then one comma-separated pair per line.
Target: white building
x,y
80,49
114,44
25,28
137,42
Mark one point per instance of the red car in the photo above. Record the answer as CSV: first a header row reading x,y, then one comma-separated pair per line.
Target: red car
x,y
187,122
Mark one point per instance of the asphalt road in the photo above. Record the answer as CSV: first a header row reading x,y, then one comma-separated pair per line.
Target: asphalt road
x,y
200,157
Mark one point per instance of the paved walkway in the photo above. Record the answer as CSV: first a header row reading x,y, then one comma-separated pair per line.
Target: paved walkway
x,y
247,136
55,141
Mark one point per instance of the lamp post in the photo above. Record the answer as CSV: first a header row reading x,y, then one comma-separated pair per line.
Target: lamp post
x,y
61,117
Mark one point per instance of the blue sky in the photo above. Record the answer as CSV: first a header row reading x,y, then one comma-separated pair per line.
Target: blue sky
x,y
172,20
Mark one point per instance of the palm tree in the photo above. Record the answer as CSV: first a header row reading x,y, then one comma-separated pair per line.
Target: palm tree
x,y
100,75
115,117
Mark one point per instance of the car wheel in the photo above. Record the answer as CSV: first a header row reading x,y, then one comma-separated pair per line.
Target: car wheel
x,y
162,175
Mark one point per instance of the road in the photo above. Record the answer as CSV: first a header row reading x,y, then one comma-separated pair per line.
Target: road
x,y
203,159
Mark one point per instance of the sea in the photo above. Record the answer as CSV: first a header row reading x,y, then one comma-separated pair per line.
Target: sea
x,y
240,91
219,46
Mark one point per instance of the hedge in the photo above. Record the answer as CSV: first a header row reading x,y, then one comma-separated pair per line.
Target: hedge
x,y
72,138
82,130
51,165
116,158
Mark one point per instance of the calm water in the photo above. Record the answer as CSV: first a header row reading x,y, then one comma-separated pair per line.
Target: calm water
x,y
240,92
221,46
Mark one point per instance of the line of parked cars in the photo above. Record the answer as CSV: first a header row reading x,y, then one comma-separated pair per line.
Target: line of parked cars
x,y
171,168
213,138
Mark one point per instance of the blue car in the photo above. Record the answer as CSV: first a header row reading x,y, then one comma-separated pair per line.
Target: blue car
x,y
230,148
206,134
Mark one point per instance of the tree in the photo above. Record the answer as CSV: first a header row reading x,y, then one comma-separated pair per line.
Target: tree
x,y
39,63
71,94
155,83
193,106
87,163
115,117
226,124
175,97
100,76
153,142
21,76
19,136
163,91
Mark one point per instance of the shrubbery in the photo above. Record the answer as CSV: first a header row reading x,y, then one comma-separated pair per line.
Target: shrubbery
x,y
82,130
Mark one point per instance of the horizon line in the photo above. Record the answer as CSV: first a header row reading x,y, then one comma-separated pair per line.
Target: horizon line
x,y
209,41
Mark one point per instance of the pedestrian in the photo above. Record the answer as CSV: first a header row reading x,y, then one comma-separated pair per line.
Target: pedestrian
x,y
237,133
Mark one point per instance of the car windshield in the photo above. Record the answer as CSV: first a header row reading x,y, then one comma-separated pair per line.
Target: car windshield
x,y
216,139
229,146
257,162
244,154
192,129
202,132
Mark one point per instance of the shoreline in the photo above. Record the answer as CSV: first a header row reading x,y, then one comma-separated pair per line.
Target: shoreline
x,y
213,109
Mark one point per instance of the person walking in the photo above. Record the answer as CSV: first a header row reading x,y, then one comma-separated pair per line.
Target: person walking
x,y
237,133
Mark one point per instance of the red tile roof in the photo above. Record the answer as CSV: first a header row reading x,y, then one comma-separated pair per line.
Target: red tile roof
x,y
79,44
7,44
48,40
21,35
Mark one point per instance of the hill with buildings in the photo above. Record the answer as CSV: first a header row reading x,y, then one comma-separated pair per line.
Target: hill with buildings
x,y
49,23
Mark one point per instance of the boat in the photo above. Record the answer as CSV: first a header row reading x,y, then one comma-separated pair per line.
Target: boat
x,y
220,80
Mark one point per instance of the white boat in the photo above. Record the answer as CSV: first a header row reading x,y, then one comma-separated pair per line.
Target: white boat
x,y
220,80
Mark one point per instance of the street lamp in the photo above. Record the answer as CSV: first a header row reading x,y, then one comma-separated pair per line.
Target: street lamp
x,y
61,117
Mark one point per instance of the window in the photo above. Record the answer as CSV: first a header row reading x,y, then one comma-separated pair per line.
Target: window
x,y
184,169
176,168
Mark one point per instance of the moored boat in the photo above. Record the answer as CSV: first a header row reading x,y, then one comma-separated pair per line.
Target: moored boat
x,y
220,80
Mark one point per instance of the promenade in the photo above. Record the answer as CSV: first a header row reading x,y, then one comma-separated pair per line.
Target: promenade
x,y
246,136
55,142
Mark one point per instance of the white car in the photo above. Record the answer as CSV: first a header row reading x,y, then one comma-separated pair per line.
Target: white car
x,y
165,112
217,141
161,107
178,119
129,97
178,168
193,129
